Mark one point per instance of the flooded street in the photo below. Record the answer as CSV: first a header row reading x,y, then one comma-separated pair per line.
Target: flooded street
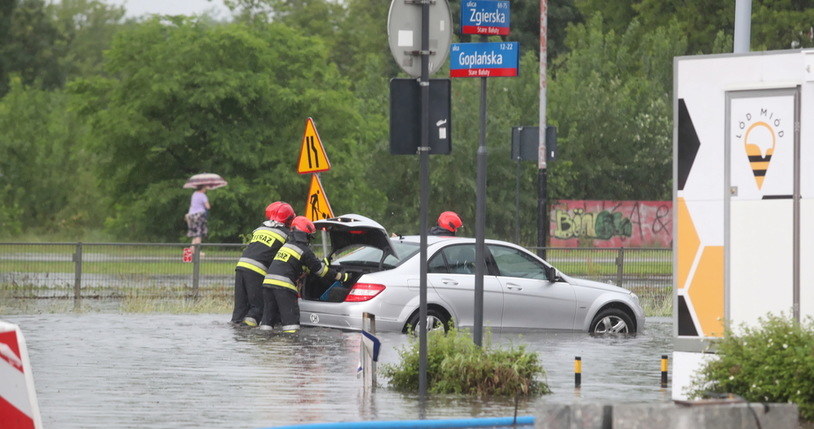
x,y
103,370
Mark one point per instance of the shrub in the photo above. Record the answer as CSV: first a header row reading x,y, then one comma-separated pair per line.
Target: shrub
x,y
456,365
770,363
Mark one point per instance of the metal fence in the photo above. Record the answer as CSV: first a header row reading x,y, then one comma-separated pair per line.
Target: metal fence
x,y
111,270
648,272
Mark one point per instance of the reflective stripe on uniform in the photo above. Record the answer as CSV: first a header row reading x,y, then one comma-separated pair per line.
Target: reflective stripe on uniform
x,y
253,265
267,236
290,328
287,252
282,281
322,271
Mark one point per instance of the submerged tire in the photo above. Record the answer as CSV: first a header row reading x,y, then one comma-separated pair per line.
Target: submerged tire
x,y
611,321
436,320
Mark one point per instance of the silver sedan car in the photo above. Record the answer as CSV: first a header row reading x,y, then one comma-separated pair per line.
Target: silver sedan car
x,y
521,291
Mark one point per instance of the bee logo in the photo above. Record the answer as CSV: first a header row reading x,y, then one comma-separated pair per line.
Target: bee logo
x,y
759,135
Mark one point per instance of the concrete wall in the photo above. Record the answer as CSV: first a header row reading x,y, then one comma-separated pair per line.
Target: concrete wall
x,y
667,416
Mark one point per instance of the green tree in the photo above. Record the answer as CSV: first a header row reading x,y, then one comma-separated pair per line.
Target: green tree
x,y
317,18
44,176
34,46
612,103
697,20
782,24
618,14
6,10
48,44
775,24
184,98
360,48
525,25
86,28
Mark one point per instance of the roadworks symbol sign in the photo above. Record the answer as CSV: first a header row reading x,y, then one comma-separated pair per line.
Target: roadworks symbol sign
x,y
312,154
317,207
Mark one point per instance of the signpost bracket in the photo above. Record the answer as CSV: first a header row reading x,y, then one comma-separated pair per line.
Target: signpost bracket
x,y
420,52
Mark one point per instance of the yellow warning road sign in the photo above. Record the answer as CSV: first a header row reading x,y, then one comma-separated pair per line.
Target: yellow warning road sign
x,y
317,206
312,154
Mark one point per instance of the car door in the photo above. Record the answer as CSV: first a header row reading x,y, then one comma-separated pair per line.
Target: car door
x,y
451,273
530,300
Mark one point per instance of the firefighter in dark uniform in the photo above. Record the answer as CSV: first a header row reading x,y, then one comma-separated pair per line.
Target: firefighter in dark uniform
x,y
280,285
251,268
448,224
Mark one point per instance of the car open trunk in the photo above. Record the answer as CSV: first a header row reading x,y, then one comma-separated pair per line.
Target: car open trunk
x,y
319,289
348,233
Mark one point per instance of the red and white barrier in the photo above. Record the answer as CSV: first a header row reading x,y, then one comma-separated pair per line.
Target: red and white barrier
x,y
18,399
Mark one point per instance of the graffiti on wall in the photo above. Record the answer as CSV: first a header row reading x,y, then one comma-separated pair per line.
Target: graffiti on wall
x,y
611,223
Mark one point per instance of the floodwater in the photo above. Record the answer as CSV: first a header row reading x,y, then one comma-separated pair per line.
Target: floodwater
x,y
103,370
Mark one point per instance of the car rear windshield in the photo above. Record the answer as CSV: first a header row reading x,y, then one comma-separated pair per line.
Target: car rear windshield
x,y
371,256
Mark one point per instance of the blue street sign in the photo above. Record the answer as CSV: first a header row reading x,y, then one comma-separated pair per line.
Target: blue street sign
x,y
489,17
484,59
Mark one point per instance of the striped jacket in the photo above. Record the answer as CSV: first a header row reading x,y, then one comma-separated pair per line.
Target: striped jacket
x,y
266,241
292,260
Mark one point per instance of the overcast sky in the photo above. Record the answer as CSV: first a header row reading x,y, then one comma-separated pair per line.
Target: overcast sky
x,y
172,7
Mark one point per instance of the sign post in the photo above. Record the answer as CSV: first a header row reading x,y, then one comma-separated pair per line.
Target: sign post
x,y
313,159
431,21
542,163
484,59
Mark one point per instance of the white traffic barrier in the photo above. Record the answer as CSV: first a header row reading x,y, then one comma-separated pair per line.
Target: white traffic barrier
x,y
18,399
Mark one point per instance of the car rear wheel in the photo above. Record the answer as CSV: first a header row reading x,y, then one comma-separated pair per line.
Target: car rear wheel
x,y
611,321
436,321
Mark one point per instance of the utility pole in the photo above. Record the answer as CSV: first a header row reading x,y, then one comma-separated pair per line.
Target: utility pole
x,y
542,174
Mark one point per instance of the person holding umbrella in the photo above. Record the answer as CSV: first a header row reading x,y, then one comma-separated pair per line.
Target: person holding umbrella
x,y
196,217
198,214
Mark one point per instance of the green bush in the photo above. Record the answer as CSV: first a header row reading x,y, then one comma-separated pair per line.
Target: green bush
x,y
456,365
770,363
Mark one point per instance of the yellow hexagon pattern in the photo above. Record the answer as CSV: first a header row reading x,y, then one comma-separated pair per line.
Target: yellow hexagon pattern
x,y
706,291
703,287
687,245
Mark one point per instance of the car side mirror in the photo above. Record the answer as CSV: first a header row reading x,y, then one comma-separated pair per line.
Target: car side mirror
x,y
551,273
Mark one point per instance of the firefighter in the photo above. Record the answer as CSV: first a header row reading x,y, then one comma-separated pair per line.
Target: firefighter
x,y
293,260
253,264
448,224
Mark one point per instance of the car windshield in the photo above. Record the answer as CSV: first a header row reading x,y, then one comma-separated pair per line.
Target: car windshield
x,y
371,256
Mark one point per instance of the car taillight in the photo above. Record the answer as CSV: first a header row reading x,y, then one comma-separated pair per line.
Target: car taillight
x,y
363,292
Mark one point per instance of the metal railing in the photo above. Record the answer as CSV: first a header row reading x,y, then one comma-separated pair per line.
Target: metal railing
x,y
648,272
111,270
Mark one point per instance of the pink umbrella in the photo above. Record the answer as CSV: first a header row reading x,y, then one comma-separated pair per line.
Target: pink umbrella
x,y
212,180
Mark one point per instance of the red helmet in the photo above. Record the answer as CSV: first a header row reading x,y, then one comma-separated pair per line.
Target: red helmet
x,y
280,212
450,221
302,223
